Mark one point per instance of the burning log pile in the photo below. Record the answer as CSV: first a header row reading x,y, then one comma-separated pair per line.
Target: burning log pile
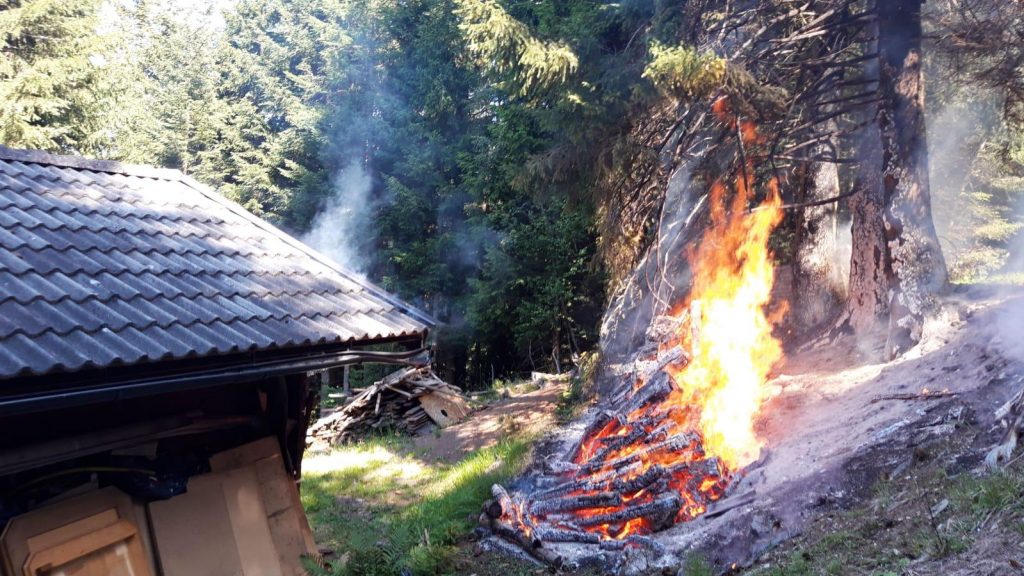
x,y
634,471
407,401
682,423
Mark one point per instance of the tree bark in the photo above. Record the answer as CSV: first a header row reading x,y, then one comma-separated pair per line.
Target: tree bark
x,y
818,281
918,269
868,294
867,303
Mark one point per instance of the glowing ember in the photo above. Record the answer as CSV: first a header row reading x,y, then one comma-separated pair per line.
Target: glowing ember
x,y
688,424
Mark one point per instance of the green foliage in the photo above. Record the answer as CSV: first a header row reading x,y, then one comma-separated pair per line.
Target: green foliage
x,y
502,44
581,387
175,113
683,71
988,212
58,81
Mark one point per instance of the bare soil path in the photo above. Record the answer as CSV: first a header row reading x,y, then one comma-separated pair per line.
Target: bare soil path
x,y
531,412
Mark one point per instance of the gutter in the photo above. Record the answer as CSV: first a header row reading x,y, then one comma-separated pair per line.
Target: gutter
x,y
31,403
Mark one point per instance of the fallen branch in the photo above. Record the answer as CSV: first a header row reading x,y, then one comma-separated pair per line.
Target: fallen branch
x,y
915,396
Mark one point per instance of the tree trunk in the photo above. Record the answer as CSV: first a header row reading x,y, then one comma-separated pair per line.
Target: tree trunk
x,y
918,269
867,303
818,281
868,293
896,265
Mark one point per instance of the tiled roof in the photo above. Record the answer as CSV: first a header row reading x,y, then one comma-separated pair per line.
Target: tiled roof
x,y
103,264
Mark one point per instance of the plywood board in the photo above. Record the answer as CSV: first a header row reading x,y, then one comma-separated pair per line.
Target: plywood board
x,y
193,534
249,523
245,454
14,541
289,527
70,531
114,550
219,527
445,409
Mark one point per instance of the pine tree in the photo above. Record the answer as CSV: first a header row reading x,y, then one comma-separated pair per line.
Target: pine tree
x,y
174,113
57,88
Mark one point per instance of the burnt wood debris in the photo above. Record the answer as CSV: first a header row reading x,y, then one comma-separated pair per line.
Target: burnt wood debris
x,y
632,472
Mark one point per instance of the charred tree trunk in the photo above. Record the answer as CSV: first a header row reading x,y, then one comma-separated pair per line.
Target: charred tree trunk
x,y
918,268
867,301
896,264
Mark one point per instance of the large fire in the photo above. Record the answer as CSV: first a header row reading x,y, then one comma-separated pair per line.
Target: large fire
x,y
674,444
734,348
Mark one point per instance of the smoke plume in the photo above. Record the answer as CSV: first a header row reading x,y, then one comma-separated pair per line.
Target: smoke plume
x,y
343,227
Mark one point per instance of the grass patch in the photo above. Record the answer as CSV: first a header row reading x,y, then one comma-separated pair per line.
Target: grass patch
x,y
697,566
385,511
1002,490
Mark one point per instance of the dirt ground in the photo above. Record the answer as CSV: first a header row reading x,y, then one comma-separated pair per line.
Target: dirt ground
x,y
521,414
839,418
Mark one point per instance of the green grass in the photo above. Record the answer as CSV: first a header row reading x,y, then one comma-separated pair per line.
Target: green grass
x,y
980,495
697,566
384,511
999,279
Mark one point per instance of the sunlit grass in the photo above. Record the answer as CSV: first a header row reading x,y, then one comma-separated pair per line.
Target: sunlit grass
x,y
384,510
1002,279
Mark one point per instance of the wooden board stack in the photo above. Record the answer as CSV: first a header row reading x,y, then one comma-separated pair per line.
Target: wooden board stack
x,y
407,401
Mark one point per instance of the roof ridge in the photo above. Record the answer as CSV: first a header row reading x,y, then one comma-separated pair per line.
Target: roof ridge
x,y
108,166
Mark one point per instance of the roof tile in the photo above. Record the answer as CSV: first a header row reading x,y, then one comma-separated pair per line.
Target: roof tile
x,y
120,265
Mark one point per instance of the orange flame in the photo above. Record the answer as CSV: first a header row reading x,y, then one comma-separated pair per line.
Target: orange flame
x,y
733,349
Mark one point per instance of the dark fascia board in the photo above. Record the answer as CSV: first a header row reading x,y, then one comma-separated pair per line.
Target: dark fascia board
x,y
49,400
113,375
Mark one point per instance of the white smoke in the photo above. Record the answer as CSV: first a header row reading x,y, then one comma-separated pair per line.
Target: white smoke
x,y
342,229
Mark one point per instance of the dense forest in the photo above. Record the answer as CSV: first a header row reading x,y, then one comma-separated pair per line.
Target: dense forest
x,y
503,165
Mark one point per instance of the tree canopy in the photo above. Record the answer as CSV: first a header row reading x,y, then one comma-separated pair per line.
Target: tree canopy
x,y
515,155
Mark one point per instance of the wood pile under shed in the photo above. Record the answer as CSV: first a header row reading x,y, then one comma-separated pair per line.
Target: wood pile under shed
x,y
406,401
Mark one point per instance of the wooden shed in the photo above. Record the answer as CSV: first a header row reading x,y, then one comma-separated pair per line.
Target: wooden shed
x,y
159,357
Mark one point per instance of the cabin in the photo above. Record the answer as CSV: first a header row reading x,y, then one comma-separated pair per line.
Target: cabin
x,y
161,351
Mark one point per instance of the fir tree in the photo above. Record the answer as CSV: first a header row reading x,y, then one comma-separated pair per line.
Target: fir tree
x,y
57,89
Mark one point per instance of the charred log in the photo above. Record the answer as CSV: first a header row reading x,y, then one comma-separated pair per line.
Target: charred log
x,y
598,424
676,443
531,544
635,540
653,391
631,485
599,500
657,512
561,535
503,500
